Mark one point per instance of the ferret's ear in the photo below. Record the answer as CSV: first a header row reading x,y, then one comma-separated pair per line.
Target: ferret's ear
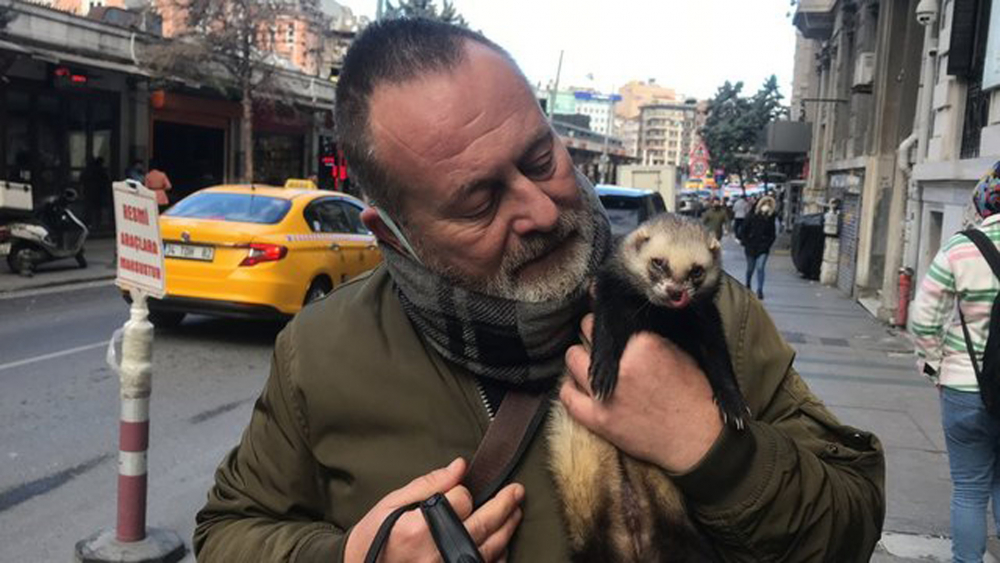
x,y
639,239
714,245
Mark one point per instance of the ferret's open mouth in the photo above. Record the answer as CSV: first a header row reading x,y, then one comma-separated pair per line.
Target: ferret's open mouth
x,y
678,299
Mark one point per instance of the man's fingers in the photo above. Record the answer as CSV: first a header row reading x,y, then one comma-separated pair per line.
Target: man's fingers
x,y
460,500
491,516
437,481
579,404
495,546
578,364
587,325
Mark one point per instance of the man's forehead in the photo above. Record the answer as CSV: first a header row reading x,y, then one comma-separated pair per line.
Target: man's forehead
x,y
437,116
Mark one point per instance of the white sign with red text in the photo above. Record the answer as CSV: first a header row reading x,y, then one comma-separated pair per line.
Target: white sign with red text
x,y
140,249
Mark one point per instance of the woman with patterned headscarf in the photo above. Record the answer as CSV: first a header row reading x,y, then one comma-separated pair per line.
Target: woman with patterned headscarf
x,y
973,436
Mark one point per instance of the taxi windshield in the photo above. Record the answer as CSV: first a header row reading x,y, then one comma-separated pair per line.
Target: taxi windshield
x,y
239,208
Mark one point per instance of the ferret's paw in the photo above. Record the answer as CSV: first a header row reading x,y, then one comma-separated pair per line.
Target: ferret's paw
x,y
603,378
734,413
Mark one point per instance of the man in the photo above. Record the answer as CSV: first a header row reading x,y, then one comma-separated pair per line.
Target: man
x,y
715,218
136,171
740,209
489,237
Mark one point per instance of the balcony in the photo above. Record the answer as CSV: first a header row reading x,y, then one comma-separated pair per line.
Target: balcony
x,y
815,18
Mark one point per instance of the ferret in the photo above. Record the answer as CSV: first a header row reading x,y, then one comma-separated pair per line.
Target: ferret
x,y
661,278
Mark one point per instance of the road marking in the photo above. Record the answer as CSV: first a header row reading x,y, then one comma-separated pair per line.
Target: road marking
x,y
59,354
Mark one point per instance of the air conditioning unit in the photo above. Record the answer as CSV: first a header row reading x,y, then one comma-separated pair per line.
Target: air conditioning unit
x,y
864,72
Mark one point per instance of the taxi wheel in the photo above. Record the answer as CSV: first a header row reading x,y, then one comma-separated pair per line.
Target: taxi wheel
x,y
165,319
319,288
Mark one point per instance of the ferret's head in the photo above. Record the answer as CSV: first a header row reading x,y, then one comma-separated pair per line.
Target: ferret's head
x,y
673,260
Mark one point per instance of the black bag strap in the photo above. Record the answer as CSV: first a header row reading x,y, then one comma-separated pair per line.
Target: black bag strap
x,y
505,442
968,344
992,256
986,248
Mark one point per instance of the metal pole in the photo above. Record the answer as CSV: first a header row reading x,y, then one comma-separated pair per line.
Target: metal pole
x,y
555,88
136,371
379,9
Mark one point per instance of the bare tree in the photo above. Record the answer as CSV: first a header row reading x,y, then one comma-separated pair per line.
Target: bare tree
x,y
231,45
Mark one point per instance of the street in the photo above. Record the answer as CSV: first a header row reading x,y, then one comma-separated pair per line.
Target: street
x,y
59,410
59,407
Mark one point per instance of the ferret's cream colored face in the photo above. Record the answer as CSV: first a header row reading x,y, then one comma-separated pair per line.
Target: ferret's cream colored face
x,y
673,273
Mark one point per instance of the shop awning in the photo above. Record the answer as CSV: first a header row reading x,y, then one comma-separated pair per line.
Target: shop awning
x,y
75,59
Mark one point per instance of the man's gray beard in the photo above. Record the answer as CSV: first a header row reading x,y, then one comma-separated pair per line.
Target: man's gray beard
x,y
563,278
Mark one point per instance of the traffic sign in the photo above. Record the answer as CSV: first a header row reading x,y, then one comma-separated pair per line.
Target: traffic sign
x,y
137,236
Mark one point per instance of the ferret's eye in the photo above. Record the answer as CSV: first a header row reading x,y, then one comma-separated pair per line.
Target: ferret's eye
x,y
659,263
697,272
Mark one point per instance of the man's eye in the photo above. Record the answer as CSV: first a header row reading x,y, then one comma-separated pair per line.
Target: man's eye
x,y
482,210
539,167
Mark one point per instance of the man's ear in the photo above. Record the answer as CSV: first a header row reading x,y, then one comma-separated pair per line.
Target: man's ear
x,y
373,221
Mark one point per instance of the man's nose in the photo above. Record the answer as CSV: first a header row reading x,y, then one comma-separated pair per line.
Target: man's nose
x,y
536,210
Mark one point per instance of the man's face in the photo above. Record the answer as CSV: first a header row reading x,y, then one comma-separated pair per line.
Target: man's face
x,y
491,198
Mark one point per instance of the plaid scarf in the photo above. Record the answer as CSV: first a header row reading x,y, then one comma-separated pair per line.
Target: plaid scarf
x,y
513,342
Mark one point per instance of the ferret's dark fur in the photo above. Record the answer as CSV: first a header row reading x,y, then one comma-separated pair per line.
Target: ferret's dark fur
x,y
661,278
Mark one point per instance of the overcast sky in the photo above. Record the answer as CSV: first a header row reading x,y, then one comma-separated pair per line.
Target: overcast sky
x,y
690,45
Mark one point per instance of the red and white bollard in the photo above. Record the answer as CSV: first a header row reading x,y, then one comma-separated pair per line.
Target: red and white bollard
x,y
131,541
133,438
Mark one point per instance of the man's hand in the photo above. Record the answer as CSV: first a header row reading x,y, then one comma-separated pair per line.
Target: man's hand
x,y
491,527
662,409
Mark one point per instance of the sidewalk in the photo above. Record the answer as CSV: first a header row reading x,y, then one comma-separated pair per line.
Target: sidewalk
x,y
864,372
101,266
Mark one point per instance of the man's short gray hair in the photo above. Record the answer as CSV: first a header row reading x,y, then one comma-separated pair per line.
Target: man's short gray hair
x,y
391,52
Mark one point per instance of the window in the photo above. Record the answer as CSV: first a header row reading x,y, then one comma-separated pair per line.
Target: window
x,y
239,208
290,34
330,215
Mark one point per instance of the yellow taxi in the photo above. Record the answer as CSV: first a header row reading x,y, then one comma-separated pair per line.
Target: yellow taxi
x,y
259,251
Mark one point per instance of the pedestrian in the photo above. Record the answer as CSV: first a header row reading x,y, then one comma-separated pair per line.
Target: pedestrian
x,y
740,208
136,171
960,272
96,186
490,239
158,181
758,236
715,218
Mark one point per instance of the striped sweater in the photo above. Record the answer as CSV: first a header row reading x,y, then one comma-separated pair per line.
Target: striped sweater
x,y
958,270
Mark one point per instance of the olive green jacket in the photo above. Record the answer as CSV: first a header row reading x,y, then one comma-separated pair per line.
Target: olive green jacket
x,y
357,406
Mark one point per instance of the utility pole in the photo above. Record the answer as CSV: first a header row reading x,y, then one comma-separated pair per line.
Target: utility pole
x,y
605,158
555,89
379,9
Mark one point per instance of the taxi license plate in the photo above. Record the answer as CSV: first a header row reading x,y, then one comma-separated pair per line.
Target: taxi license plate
x,y
188,251
4,248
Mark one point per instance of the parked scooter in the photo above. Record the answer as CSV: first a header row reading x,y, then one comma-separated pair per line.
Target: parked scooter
x,y
53,233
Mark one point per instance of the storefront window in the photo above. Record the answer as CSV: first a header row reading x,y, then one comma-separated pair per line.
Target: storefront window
x,y
277,158
18,142
77,138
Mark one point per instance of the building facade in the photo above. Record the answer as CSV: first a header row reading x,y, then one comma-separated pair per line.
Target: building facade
x,y
894,145
74,90
638,93
666,132
962,117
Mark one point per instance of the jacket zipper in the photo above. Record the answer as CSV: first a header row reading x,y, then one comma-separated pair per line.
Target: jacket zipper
x,y
482,397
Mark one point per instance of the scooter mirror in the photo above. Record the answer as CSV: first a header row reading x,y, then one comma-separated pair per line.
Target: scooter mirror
x,y
70,195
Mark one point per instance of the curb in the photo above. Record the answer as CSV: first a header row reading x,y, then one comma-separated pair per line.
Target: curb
x,y
56,283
